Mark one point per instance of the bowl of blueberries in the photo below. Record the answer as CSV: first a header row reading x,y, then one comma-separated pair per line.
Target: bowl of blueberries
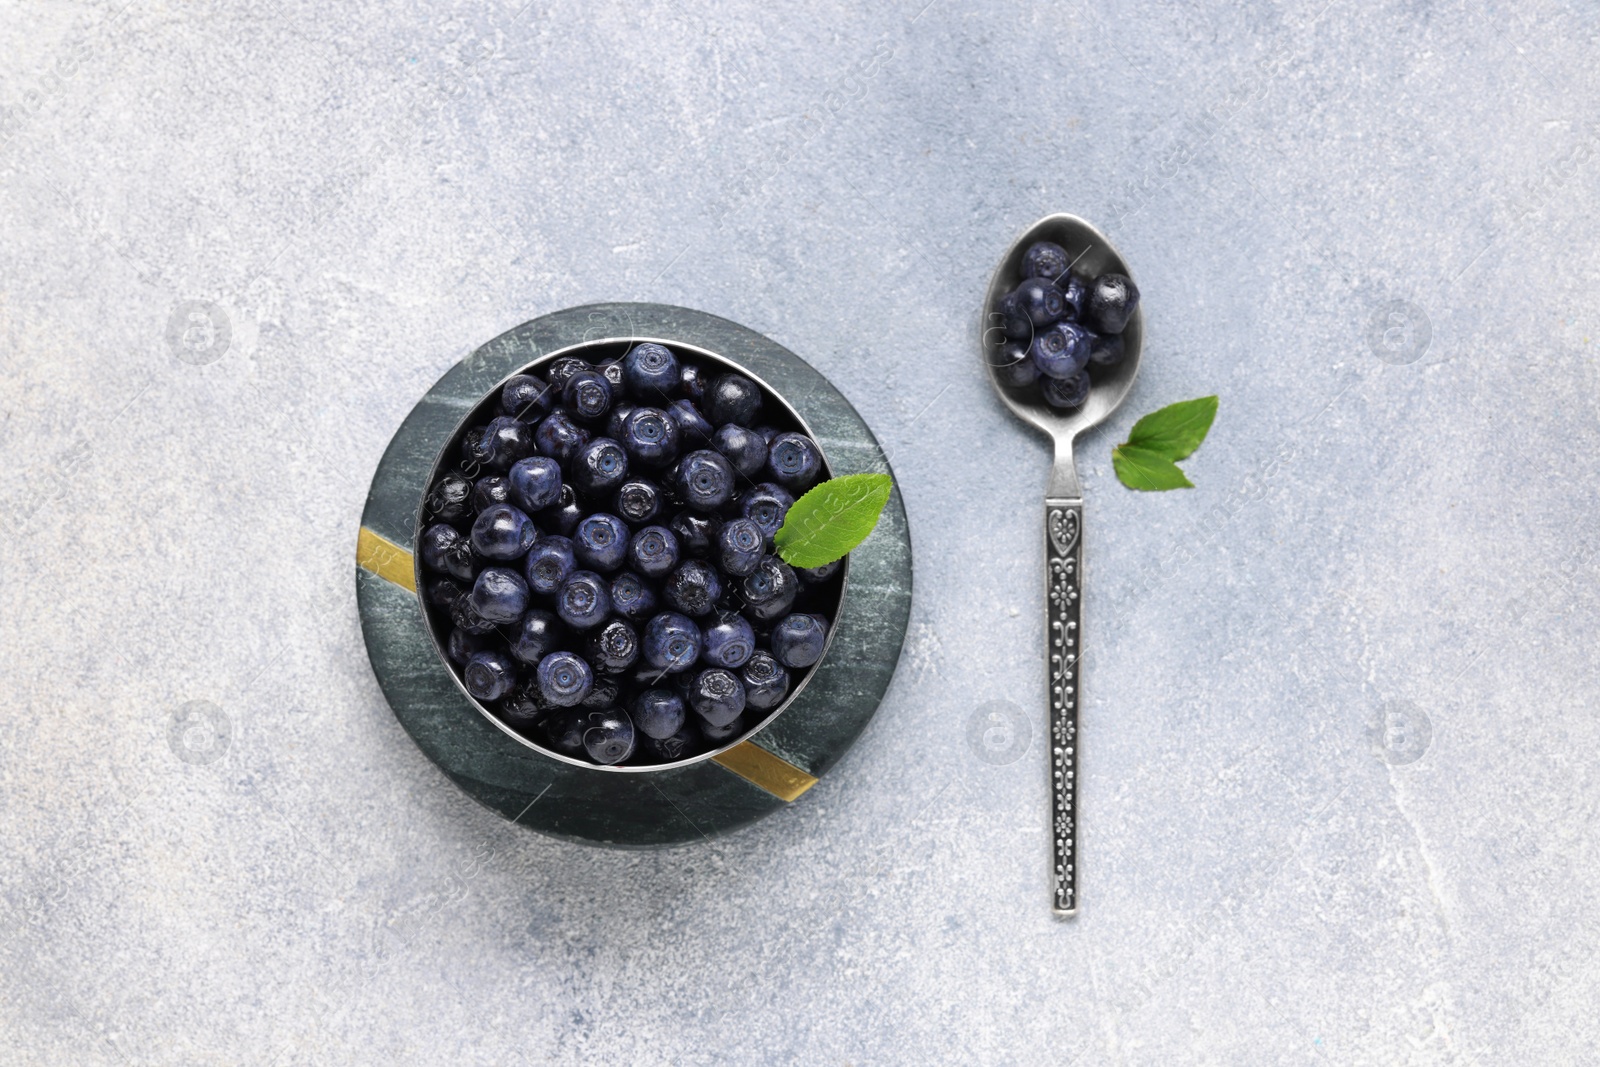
x,y
595,555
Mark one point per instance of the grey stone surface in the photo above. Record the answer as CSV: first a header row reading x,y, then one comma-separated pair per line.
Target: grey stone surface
x,y
241,240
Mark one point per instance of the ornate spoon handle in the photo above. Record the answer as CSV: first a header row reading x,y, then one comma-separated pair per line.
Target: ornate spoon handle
x,y
1063,580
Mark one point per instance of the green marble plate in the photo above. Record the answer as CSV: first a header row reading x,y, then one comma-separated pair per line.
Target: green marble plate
x,y
681,803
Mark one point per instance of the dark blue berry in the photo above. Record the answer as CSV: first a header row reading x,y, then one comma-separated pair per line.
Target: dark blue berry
x,y
632,597
613,374
525,397
450,499
658,713
599,467
505,440
637,501
503,532
464,644
604,694
1067,393
679,745
584,601
1040,300
1062,350
587,395
797,641
551,562
563,729
672,642
766,683
766,505
794,461
705,480
499,595
489,674
608,737
692,426
815,575
441,549
560,370
613,648
1106,349
728,642
443,592
489,490
717,696
474,450
1076,294
693,588
614,421
525,707
769,591
1012,319
716,735
766,433
653,552
466,617
745,449
650,437
535,483
1045,259
739,547
563,516
601,542
558,436
650,368
733,398
697,533
1014,365
536,636
1112,300
693,383
564,678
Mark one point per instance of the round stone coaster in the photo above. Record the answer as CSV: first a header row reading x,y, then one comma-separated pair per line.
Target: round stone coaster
x,y
676,805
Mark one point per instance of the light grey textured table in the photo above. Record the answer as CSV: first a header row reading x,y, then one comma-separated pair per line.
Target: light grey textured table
x,y
1341,785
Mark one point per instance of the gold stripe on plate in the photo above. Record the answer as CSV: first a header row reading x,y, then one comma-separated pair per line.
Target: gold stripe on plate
x,y
381,556
758,766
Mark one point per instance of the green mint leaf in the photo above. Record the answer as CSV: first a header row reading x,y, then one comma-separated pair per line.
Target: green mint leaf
x,y
1139,468
1176,430
832,518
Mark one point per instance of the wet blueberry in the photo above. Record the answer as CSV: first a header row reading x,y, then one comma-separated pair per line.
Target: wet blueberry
x,y
563,730
450,499
679,745
559,437
538,634
769,591
608,737
1040,300
740,544
794,461
697,533
506,440
612,372
1076,294
658,713
733,398
564,678
525,707
745,449
601,542
503,532
560,370
650,437
632,597
797,641
728,642
587,395
1067,393
604,694
563,516
525,397
464,644
441,548
766,683
619,414
1014,366
653,552
474,452
692,426
693,383
466,617
499,595
716,735
705,480
584,601
613,648
1106,349
599,467
490,490
671,642
1112,300
717,696
650,369
551,562
1045,259
693,588
637,501
535,483
1062,350
489,674
766,505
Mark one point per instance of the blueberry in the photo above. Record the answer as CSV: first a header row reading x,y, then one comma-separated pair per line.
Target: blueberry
x,y
489,674
1106,349
1112,300
535,483
697,534
550,563
613,374
503,532
766,433
1066,393
728,642
650,369
564,678
587,395
717,696
443,592
559,437
599,466
658,713
653,552
693,588
797,641
1076,295
538,634
525,397
632,597
490,490
794,461
716,735
679,745
505,440
1040,300
474,450
563,516
441,549
692,383
601,542
604,695
1045,259
733,398
525,707
560,370
744,449
466,617
608,737
766,505
499,595
769,591
637,501
650,437
464,644
1013,319
692,426
739,547
563,730
619,415
705,480
671,642
1014,365
1062,350
613,648
450,499
766,683
584,600
815,575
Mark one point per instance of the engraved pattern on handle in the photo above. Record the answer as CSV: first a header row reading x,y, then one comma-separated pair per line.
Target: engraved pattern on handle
x,y
1064,580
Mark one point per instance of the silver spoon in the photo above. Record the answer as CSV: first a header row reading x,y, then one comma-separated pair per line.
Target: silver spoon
x,y
1091,255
